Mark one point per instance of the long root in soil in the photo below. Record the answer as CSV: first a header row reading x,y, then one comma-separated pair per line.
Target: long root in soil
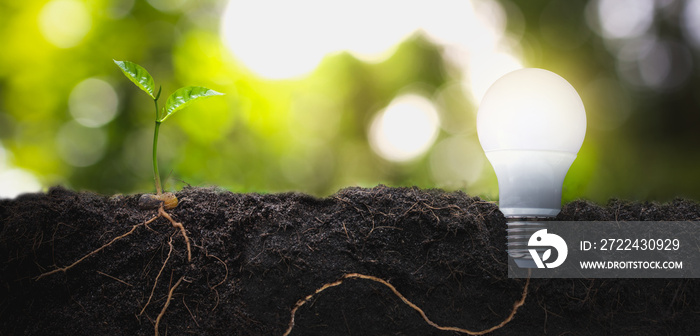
x,y
177,225
161,213
510,316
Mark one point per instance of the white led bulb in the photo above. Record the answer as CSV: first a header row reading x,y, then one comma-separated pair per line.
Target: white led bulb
x,y
531,124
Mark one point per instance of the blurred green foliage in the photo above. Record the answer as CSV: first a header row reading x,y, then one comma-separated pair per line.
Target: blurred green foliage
x,y
310,133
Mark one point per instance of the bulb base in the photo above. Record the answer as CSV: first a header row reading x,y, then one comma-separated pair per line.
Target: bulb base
x,y
519,231
530,181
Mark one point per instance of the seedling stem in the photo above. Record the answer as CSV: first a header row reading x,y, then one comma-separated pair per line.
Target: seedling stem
x,y
159,190
178,100
156,174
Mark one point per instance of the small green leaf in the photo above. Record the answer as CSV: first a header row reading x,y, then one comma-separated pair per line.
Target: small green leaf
x,y
138,75
184,97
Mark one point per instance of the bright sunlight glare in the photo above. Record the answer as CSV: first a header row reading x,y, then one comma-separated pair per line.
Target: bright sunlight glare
x,y
474,25
278,39
405,129
282,39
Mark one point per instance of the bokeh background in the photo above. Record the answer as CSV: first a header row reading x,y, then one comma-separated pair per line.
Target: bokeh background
x,y
322,95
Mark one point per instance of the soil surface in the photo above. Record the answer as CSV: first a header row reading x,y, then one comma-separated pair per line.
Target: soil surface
x,y
255,256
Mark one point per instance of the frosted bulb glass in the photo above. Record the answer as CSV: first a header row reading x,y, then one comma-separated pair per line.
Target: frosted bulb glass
x,y
531,124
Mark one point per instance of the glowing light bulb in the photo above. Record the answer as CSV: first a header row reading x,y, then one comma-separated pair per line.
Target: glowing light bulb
x,y
531,124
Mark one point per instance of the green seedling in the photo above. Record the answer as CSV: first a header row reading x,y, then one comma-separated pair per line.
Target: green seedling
x,y
161,201
177,101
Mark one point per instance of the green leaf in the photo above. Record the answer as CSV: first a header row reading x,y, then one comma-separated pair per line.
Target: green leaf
x,y
183,97
138,75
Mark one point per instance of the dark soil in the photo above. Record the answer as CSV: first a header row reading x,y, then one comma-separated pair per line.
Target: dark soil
x,y
254,256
